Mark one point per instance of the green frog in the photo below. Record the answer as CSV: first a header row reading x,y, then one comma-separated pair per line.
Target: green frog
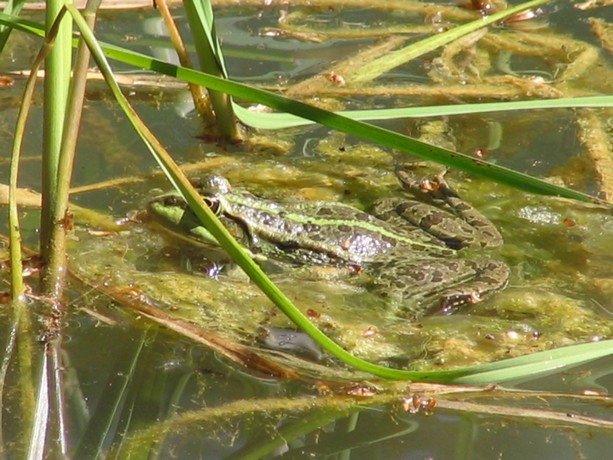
x,y
407,250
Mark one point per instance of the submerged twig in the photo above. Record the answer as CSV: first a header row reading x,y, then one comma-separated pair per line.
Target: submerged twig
x,y
595,137
30,199
603,31
320,83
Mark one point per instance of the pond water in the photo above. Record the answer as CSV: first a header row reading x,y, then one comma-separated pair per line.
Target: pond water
x,y
134,388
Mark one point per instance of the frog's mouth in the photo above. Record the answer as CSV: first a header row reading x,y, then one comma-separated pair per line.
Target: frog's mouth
x,y
171,214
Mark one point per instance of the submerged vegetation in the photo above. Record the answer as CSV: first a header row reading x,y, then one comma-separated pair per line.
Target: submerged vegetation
x,y
485,89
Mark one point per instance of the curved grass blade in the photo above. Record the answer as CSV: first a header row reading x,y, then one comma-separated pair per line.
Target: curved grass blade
x,y
536,364
202,26
501,371
278,120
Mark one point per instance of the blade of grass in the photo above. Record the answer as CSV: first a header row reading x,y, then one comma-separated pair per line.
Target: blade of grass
x,y
17,286
394,59
202,26
198,95
21,333
71,122
12,7
265,120
537,364
363,130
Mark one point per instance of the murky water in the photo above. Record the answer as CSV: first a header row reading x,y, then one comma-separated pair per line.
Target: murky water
x,y
133,387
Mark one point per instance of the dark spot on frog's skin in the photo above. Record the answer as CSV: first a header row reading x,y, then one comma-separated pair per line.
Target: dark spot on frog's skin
x,y
385,216
453,266
289,245
344,228
454,244
436,277
325,212
267,218
399,284
311,227
363,216
388,242
432,219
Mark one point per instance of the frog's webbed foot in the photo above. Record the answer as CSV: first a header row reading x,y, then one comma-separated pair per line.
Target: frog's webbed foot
x,y
451,303
456,222
491,275
412,176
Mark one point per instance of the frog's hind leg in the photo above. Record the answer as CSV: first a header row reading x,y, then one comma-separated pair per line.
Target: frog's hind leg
x,y
490,275
439,286
463,225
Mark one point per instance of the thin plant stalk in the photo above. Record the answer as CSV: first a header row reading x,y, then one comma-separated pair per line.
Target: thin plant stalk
x,y
202,26
70,131
59,176
21,332
68,145
17,285
197,91
57,80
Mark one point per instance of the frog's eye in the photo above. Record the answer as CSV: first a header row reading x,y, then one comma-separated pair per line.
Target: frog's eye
x,y
172,201
212,202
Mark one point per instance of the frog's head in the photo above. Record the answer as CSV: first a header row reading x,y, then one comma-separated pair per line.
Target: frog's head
x,y
171,212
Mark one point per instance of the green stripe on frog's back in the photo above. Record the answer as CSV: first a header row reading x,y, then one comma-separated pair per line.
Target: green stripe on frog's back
x,y
336,229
